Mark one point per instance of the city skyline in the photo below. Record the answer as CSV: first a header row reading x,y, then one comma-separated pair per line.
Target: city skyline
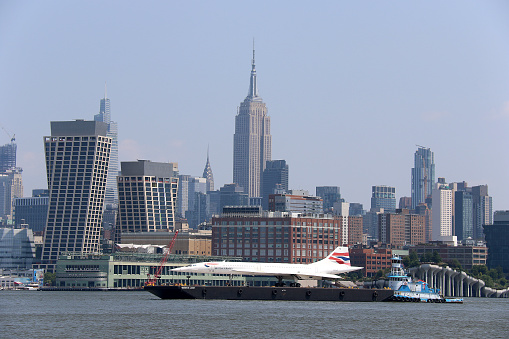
x,y
434,78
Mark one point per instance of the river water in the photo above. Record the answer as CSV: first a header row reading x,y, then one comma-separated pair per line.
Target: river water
x,y
37,314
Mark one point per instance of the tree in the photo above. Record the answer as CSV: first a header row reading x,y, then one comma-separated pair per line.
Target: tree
x,y
50,278
435,257
455,264
412,260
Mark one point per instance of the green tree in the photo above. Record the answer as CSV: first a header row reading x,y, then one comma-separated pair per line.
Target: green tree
x,y
50,278
412,260
435,257
427,257
455,264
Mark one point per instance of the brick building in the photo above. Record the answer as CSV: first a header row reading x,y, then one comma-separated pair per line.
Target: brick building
x,y
371,259
275,236
401,228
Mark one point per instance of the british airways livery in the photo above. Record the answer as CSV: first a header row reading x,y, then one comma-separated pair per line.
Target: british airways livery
x,y
337,262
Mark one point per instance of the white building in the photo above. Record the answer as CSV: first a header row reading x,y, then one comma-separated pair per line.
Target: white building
x,y
442,213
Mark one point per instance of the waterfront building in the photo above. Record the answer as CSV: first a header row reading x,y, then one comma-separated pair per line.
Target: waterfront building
x,y
275,180
329,195
131,270
442,214
17,249
252,142
401,228
496,236
464,217
147,196
104,115
371,259
423,175
77,159
383,197
466,254
295,201
207,174
8,156
11,188
263,236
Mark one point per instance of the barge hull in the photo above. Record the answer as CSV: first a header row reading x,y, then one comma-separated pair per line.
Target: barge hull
x,y
269,293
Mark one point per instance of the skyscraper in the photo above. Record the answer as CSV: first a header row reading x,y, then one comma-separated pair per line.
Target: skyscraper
x,y
104,115
11,188
8,156
147,196
482,209
442,212
330,195
384,197
77,159
207,174
252,140
463,218
423,175
275,180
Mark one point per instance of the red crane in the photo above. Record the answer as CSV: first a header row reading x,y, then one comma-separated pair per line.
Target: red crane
x,y
157,275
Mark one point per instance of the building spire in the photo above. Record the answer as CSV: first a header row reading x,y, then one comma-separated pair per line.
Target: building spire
x,y
253,88
207,173
105,90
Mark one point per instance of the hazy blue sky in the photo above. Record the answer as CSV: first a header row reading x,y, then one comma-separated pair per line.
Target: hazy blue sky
x,y
351,87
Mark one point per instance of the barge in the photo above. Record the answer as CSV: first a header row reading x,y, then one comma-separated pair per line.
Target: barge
x,y
269,293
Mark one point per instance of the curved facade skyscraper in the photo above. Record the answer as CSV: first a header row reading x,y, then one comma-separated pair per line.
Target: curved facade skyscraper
x,y
423,175
252,142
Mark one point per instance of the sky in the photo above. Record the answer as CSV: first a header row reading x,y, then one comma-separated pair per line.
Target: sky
x,y
351,87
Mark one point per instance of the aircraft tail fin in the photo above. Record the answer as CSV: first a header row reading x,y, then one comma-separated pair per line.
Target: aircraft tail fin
x,y
339,256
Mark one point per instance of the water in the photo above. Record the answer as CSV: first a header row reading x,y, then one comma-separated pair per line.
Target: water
x,y
37,314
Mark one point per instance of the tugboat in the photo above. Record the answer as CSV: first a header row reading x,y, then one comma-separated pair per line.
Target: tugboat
x,y
407,290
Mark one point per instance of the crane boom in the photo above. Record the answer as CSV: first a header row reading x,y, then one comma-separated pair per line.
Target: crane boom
x,y
157,275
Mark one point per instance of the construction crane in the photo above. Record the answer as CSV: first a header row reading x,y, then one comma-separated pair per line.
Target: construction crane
x,y
157,275
13,137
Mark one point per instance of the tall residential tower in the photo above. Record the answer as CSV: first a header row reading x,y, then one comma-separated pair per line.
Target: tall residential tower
x,y
423,175
77,159
252,140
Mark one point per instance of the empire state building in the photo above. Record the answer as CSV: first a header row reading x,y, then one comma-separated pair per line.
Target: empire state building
x,y
252,142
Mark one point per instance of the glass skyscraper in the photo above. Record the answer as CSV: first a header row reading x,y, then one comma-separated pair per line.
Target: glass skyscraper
x,y
8,156
384,197
423,175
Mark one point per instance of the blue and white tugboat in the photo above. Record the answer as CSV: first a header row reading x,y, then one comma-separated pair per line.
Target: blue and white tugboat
x,y
407,290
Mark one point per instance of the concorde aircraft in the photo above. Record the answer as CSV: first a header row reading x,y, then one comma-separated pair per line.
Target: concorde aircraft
x,y
326,269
